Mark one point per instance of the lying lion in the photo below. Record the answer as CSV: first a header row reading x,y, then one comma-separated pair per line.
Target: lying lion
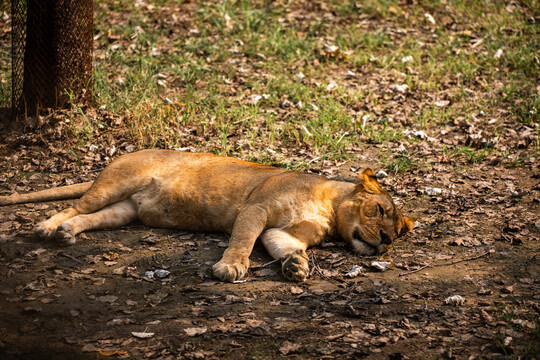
x,y
290,211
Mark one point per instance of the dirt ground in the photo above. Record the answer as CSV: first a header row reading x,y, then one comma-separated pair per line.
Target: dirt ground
x,y
467,171
479,239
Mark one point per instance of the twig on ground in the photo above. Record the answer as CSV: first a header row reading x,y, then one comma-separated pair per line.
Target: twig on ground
x,y
416,270
70,257
468,259
318,268
314,266
452,263
265,265
350,288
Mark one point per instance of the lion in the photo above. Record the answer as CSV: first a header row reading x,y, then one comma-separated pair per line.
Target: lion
x,y
289,211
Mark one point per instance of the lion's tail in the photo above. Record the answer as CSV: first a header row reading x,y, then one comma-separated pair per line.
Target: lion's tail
x,y
59,193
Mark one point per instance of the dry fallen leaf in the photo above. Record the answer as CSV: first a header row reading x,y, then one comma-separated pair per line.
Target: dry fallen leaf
x,y
142,335
107,298
112,353
483,291
89,348
464,241
110,256
380,341
508,289
382,265
289,348
35,253
265,272
194,331
119,271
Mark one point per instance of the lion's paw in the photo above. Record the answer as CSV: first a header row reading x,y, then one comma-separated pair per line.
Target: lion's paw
x,y
44,231
65,235
226,271
295,266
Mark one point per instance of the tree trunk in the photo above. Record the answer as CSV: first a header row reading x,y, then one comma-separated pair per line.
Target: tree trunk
x,y
58,54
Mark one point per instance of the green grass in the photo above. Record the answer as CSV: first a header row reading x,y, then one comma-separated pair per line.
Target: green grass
x,y
198,71
236,37
399,162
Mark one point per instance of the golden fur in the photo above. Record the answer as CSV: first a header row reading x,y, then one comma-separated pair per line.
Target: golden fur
x,y
289,211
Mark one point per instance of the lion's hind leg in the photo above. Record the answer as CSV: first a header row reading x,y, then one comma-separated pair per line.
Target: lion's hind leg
x,y
118,214
292,252
105,191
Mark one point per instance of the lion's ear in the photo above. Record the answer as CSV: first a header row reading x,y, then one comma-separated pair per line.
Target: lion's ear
x,y
368,182
407,224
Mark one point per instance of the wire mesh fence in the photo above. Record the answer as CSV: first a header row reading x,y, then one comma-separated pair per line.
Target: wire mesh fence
x,y
51,54
5,61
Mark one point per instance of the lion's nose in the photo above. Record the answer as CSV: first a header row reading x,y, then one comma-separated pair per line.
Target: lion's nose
x,y
385,239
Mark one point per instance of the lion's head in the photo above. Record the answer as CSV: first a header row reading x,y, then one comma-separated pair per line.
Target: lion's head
x,y
369,220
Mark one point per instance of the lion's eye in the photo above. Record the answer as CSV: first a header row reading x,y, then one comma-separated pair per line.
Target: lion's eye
x,y
381,210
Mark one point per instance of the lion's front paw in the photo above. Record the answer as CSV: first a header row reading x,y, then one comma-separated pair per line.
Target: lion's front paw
x,y
295,266
65,235
227,271
44,230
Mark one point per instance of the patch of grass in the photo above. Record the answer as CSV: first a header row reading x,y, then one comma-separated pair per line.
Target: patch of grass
x,y
430,114
518,159
518,322
202,68
399,163
472,155
79,125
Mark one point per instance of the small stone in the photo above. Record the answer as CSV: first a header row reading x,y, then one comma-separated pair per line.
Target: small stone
x,y
299,77
160,273
118,322
455,300
381,174
331,86
354,272
401,89
285,104
255,99
429,18
433,191
407,59
441,103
